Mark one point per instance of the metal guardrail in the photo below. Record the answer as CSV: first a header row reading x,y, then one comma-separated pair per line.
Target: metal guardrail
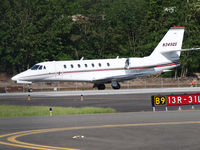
x,y
65,86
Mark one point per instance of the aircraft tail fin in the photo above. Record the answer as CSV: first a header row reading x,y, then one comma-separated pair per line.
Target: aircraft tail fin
x,y
171,43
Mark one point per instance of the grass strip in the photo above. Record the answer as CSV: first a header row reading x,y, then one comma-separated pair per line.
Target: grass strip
x,y
21,111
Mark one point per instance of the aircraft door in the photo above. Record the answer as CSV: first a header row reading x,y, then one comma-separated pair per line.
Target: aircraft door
x,y
127,63
58,70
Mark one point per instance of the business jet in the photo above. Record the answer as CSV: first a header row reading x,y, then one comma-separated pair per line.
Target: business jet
x,y
102,71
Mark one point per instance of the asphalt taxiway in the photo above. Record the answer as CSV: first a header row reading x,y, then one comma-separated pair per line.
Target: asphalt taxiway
x,y
128,130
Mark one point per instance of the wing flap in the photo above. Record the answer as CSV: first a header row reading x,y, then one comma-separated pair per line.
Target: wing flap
x,y
120,77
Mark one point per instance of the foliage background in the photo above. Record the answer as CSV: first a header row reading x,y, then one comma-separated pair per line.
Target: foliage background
x,y
33,31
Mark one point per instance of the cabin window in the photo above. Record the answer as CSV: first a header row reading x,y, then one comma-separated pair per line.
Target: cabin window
x,y
86,65
35,67
79,65
65,66
108,64
99,64
44,67
92,65
72,66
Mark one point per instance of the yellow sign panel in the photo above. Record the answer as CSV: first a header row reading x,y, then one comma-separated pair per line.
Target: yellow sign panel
x,y
160,100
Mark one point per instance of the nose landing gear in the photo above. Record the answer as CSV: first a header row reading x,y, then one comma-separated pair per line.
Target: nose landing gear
x,y
29,88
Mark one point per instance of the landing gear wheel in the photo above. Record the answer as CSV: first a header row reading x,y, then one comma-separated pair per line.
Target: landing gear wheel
x,y
100,86
115,85
29,88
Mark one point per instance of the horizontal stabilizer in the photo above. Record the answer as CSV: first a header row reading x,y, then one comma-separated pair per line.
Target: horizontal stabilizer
x,y
180,50
167,70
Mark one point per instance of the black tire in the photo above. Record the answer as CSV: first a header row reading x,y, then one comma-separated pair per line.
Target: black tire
x,y
101,87
116,87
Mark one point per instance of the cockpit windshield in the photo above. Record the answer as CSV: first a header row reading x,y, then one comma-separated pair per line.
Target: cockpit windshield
x,y
38,67
35,67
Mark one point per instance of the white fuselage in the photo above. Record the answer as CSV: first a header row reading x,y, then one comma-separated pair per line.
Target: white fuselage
x,y
98,70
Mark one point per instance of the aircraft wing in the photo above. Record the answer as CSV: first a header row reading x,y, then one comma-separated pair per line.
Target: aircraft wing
x,y
121,77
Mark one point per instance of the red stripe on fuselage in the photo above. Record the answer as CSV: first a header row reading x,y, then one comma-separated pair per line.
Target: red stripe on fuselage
x,y
104,70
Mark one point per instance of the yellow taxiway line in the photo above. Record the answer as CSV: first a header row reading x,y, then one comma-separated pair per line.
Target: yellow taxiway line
x,y
11,138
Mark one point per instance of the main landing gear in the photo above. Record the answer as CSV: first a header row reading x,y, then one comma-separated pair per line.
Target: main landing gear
x,y
99,86
115,85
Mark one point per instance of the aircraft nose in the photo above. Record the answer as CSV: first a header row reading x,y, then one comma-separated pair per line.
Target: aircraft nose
x,y
14,78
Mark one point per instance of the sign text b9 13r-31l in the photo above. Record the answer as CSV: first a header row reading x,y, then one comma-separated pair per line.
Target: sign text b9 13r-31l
x,y
171,100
